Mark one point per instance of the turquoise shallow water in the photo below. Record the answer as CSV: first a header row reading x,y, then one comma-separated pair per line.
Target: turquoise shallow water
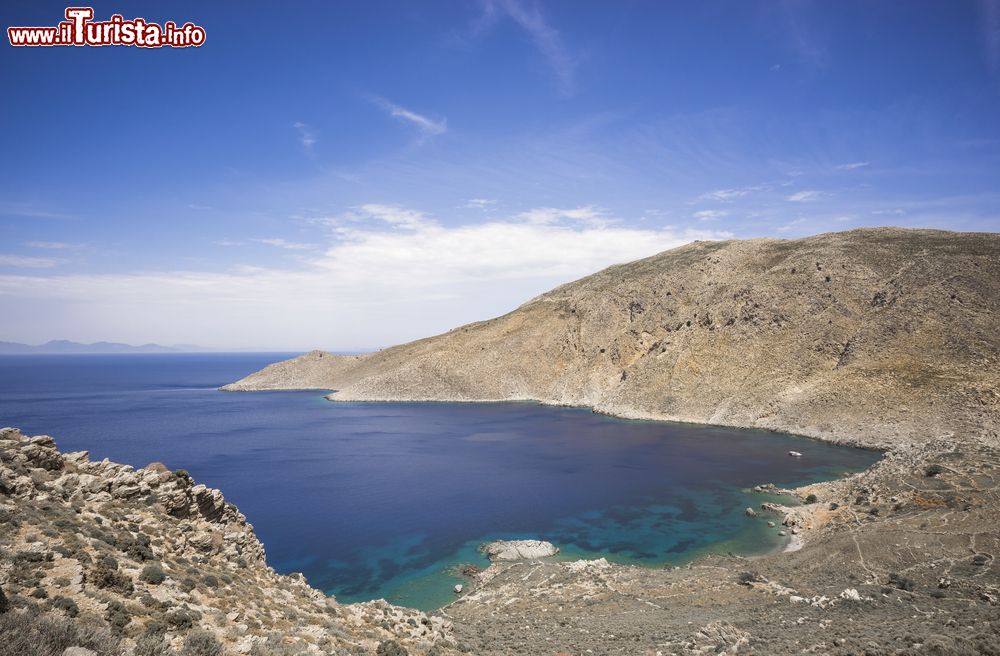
x,y
386,500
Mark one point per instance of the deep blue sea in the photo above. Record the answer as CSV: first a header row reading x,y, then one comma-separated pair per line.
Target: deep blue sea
x,y
385,499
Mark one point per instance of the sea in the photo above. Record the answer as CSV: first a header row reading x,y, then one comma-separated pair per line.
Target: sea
x,y
392,500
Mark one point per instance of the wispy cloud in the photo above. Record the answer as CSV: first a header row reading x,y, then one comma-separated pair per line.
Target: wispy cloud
x,y
731,194
850,166
805,196
480,203
989,11
587,215
32,212
306,134
792,225
801,31
283,243
427,126
53,245
546,38
710,215
19,262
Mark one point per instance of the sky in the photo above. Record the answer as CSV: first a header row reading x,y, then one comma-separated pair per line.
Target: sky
x,y
349,175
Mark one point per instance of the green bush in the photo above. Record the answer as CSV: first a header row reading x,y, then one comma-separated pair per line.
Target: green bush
x,y
105,578
152,573
66,605
117,615
933,470
180,620
901,582
811,498
152,643
201,643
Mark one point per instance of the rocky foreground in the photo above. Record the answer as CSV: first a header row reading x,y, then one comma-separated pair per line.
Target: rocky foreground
x,y
116,560
882,338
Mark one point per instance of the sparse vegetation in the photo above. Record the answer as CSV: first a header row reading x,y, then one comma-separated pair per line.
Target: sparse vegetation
x,y
153,574
201,643
28,632
901,582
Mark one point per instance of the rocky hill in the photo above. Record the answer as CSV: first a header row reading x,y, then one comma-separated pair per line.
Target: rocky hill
x,y
876,336
117,560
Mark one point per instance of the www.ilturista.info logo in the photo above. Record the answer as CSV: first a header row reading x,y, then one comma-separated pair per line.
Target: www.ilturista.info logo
x,y
80,29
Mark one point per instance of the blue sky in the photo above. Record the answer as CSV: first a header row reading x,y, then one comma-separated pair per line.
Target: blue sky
x,y
350,175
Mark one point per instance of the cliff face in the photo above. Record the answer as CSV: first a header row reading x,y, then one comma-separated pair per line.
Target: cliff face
x,y
878,337
155,560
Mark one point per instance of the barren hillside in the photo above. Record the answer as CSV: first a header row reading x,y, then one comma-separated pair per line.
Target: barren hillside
x,y
873,336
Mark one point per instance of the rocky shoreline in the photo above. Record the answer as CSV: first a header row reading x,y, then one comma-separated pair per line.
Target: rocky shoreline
x,y
117,560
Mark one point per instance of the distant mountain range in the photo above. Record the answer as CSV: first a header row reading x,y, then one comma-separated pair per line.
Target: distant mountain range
x,y
66,346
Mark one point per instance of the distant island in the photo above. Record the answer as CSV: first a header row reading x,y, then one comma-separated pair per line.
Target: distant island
x,y
56,346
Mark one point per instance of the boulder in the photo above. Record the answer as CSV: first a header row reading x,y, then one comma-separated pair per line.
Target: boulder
x,y
750,512
518,549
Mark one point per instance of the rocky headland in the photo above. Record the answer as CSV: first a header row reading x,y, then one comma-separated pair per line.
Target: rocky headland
x,y
881,338
115,560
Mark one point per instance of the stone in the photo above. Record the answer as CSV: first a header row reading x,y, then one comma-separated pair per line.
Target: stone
x,y
770,524
518,549
750,512
458,589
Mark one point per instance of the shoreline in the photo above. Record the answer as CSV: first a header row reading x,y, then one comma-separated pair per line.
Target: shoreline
x,y
791,542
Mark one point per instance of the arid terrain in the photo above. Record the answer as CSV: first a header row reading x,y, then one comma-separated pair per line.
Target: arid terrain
x,y
882,338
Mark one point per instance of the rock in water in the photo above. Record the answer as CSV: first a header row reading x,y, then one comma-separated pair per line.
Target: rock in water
x,y
750,512
458,589
518,549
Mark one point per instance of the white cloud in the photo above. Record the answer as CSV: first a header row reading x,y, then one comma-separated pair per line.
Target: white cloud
x,y
731,194
19,262
427,126
805,196
480,203
282,243
53,245
588,215
850,166
306,134
373,284
792,225
710,215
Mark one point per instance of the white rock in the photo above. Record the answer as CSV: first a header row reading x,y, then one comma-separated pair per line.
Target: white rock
x,y
519,549
458,589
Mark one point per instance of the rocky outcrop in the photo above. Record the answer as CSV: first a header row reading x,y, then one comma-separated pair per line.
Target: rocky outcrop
x,y
518,550
877,337
156,558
